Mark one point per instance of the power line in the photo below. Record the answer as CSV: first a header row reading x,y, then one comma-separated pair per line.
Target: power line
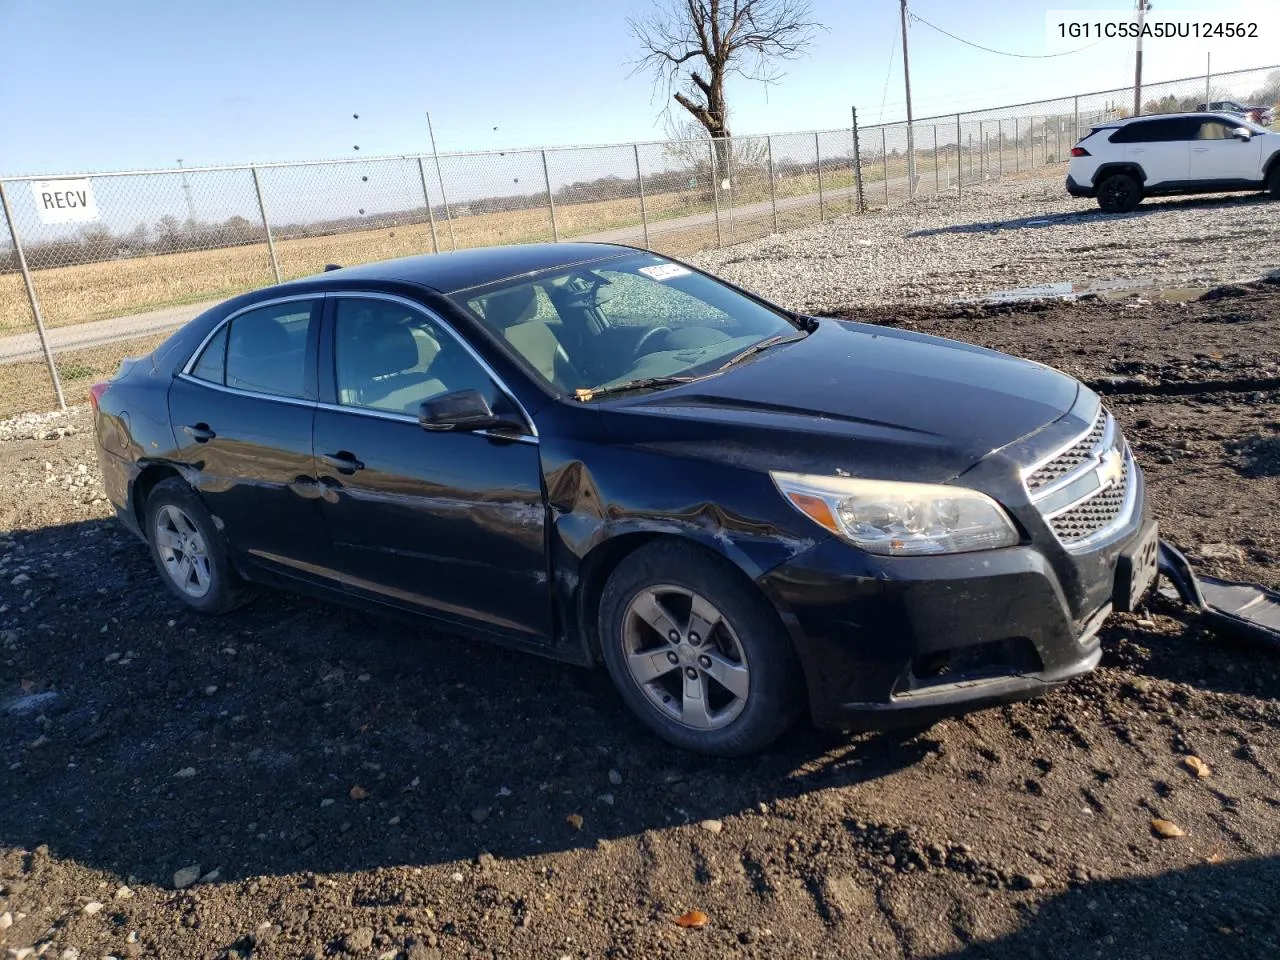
x,y
893,53
1003,53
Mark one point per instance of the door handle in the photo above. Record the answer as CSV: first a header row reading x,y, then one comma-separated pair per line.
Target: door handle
x,y
342,461
1199,149
199,432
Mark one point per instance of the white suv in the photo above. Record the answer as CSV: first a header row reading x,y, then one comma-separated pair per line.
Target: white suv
x,y
1123,161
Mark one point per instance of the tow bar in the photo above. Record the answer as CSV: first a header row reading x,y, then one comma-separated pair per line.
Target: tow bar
x,y
1244,609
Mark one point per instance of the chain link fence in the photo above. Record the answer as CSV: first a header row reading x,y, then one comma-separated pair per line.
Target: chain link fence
x,y
103,266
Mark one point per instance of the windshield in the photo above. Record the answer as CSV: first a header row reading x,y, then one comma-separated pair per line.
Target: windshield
x,y
639,317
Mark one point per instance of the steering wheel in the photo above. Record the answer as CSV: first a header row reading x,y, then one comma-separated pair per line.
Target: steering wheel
x,y
648,337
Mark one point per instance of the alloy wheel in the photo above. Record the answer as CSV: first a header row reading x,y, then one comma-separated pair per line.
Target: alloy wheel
x,y
182,551
685,657
1116,192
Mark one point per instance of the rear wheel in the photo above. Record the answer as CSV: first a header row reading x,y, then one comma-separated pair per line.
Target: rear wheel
x,y
188,549
1273,181
696,652
1119,193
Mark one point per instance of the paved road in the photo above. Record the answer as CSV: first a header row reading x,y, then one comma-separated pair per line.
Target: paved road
x,y
26,346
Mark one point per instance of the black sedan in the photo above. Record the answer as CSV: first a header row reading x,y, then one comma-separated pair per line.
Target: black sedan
x,y
599,454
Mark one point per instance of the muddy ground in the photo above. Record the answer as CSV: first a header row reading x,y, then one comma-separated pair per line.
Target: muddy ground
x,y
350,787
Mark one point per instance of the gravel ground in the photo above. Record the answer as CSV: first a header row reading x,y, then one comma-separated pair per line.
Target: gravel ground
x,y
297,780
1013,234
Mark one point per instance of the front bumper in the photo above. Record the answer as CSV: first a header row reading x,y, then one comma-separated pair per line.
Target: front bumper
x,y
893,641
1079,189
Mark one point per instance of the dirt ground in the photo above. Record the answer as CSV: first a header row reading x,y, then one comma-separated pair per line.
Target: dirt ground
x,y
348,787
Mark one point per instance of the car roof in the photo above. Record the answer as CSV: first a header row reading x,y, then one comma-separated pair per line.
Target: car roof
x,y
474,267
1193,114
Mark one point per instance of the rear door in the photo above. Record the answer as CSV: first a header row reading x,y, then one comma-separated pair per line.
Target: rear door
x,y
1218,155
242,411
1162,148
451,525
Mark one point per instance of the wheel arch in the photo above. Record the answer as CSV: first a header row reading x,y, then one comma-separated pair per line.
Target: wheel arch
x,y
599,563
1110,169
148,478
1272,164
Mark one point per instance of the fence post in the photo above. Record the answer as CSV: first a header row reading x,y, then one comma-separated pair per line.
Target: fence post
x,y
817,157
1000,147
937,174
551,201
426,195
34,300
884,164
1076,128
728,169
857,164
644,212
959,158
1017,148
982,149
266,225
773,184
715,188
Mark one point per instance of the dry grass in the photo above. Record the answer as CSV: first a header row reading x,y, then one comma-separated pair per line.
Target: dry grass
x,y
27,386
70,295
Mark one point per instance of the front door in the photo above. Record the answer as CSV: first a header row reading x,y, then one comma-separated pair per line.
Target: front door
x,y
242,414
1217,155
448,524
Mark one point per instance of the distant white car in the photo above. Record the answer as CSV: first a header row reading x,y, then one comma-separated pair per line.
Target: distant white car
x,y
1123,161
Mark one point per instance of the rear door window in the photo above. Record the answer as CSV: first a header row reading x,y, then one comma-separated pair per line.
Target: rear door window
x,y
1157,131
263,351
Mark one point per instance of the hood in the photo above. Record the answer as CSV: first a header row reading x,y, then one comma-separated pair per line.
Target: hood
x,y
853,399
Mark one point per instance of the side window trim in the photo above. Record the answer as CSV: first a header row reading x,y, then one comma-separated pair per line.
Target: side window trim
x,y
328,381
224,324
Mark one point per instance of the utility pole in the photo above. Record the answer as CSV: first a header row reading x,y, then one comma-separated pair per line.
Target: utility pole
x,y
186,188
444,197
1143,7
911,136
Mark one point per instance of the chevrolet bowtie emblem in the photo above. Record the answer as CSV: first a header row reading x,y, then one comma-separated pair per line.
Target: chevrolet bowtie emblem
x,y
1110,469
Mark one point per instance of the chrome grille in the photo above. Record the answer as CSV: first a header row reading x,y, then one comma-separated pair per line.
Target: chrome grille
x,y
1076,492
1096,513
1069,459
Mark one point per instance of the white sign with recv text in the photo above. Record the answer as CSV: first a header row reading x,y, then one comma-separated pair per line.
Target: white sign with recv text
x,y
64,201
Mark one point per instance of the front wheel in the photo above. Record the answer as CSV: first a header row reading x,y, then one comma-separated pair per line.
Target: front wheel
x,y
1119,193
696,652
1273,182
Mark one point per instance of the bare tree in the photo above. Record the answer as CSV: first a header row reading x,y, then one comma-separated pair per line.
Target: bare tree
x,y
692,46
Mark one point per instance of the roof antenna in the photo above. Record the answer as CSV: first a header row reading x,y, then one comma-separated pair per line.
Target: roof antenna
x,y
332,266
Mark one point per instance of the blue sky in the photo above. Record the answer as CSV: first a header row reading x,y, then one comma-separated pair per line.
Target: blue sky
x,y
137,83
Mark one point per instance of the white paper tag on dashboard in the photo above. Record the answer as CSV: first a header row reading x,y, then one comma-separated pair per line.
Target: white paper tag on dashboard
x,y
665,271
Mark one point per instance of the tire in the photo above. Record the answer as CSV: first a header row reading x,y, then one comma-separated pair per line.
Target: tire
x,y
174,511
1273,181
1119,193
752,651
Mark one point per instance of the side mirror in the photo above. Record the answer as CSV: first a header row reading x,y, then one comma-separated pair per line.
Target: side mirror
x,y
463,411
1242,133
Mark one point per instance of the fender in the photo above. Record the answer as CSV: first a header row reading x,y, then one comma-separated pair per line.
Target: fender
x,y
1125,166
1271,163
594,522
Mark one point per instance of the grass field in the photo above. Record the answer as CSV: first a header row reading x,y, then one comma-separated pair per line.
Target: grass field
x,y
82,293
78,294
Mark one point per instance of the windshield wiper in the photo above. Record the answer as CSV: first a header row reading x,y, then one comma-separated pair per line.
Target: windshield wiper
x,y
760,347
590,393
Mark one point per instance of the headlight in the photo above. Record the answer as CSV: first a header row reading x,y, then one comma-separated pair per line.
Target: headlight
x,y
900,519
